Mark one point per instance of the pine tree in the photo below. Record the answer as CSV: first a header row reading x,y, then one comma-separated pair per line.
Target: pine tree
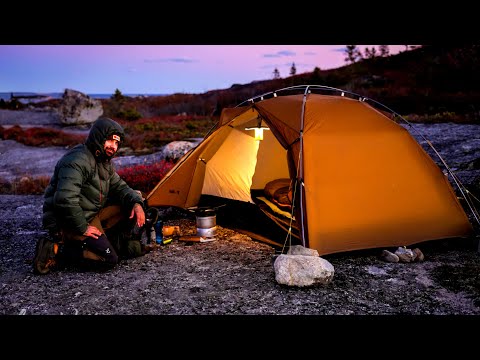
x,y
276,74
370,53
316,77
384,50
293,69
118,96
353,54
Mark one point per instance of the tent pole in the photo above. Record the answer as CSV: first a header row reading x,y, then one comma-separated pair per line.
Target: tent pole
x,y
300,168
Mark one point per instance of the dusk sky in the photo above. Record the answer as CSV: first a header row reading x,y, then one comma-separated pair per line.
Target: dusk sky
x,y
157,69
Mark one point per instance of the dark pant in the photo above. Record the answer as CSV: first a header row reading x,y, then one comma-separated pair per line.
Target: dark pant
x,y
102,248
106,220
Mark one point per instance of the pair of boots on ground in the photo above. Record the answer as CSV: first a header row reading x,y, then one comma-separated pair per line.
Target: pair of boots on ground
x,y
126,239
402,254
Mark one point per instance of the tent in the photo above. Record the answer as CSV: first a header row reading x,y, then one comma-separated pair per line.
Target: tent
x,y
358,179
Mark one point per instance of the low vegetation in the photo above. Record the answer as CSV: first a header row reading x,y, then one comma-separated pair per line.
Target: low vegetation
x,y
25,185
145,135
41,137
145,177
446,116
139,177
150,134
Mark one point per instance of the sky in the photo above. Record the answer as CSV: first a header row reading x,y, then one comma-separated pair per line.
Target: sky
x,y
157,69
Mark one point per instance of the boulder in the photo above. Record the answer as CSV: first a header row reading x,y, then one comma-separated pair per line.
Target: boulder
x,y
77,108
176,149
302,267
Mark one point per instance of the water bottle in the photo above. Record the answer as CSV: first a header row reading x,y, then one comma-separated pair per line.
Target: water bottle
x,y
159,231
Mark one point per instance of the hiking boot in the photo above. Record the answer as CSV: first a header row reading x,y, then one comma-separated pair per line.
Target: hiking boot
x,y
419,257
389,257
44,256
405,255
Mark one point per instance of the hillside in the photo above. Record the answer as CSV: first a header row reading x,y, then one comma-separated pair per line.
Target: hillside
x,y
427,80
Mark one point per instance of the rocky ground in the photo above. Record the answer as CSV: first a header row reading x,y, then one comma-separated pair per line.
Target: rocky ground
x,y
234,275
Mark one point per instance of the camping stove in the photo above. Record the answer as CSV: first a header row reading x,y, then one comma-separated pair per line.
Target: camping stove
x,y
206,219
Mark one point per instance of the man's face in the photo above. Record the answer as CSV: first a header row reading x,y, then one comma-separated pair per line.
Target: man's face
x,y
110,147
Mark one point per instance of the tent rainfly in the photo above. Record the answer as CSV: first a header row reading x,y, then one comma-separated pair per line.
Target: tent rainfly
x,y
357,178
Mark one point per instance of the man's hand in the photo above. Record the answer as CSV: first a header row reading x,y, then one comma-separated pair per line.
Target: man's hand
x,y
138,212
92,231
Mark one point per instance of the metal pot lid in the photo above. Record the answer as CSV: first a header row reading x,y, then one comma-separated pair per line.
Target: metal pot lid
x,y
205,210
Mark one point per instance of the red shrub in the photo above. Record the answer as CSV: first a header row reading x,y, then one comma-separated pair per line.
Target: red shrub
x,y
13,133
145,177
49,137
41,136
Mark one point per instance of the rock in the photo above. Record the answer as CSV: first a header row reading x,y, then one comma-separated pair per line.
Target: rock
x,y
34,118
301,250
302,270
176,149
77,108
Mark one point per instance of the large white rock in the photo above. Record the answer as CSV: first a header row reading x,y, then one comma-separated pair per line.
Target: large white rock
x,y
301,250
176,149
302,270
77,108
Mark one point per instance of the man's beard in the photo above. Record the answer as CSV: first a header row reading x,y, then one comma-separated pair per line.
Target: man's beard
x,y
110,152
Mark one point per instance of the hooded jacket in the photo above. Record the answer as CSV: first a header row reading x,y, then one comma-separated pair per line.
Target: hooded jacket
x,y
83,179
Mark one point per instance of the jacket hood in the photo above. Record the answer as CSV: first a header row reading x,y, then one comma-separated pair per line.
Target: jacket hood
x,y
101,129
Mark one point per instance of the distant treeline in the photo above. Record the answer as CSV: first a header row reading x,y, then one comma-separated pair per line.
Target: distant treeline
x,y
423,82
427,80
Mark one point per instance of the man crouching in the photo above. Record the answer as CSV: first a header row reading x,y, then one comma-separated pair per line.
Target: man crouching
x,y
86,199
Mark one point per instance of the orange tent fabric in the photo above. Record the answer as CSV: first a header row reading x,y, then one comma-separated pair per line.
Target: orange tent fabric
x,y
363,180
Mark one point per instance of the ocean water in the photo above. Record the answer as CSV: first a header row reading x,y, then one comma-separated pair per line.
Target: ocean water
x,y
58,95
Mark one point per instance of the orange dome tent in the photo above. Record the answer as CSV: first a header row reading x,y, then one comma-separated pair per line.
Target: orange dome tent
x,y
359,179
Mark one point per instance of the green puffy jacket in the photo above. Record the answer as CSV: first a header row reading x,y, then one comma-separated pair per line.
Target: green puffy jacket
x,y
83,180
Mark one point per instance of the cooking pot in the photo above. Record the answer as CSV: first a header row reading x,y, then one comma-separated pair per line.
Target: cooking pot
x,y
206,222
206,218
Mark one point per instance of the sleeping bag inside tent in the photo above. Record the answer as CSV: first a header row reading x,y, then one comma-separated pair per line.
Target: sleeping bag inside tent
x,y
331,170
